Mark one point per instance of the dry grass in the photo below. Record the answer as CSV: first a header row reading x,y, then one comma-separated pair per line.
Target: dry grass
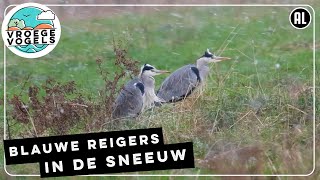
x,y
246,160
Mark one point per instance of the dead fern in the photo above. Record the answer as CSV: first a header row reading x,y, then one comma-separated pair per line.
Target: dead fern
x,y
55,112
123,67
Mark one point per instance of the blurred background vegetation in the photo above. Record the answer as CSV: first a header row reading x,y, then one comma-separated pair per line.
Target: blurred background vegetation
x,y
255,114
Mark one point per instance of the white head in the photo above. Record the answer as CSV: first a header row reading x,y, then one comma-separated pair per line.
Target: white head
x,y
146,74
209,57
149,71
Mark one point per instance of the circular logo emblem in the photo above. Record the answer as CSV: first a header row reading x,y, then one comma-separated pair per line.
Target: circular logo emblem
x,y
31,30
300,18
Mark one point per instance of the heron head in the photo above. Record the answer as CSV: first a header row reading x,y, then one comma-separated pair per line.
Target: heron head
x,y
211,57
150,70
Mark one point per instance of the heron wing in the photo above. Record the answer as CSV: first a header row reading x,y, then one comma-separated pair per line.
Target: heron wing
x,y
129,102
179,84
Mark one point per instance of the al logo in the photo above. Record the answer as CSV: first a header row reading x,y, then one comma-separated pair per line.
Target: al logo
x,y
31,30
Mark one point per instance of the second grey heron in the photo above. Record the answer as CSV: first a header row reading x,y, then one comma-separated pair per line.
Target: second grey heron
x,y
183,81
138,94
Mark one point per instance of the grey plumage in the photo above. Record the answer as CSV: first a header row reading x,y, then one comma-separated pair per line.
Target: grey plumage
x,y
138,94
183,81
179,84
129,102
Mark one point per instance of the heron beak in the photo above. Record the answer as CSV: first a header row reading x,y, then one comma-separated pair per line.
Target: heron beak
x,y
161,71
218,58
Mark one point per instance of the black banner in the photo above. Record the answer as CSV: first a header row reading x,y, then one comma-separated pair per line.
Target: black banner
x,y
26,145
100,153
129,159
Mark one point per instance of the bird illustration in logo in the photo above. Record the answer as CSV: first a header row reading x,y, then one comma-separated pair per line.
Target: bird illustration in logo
x,y
31,18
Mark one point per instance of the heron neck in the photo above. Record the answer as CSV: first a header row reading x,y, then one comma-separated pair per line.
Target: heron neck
x,y
148,81
203,70
150,95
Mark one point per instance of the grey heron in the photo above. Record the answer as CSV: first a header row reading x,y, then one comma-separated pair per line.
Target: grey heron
x,y
138,94
183,81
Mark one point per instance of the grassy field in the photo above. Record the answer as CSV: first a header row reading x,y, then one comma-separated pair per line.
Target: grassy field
x,y
256,106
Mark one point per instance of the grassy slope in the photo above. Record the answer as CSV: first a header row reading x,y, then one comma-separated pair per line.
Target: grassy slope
x,y
234,90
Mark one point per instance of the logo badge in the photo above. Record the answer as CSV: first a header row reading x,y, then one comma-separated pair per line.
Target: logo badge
x,y
31,30
300,18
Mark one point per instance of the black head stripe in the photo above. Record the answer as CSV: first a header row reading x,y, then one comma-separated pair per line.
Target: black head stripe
x,y
141,87
147,67
207,54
